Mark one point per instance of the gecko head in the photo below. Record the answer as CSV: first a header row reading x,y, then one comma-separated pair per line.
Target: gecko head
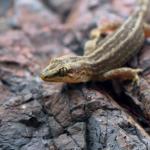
x,y
65,69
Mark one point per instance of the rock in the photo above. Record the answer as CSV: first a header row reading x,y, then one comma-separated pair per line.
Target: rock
x,y
61,7
78,134
65,142
36,144
55,128
115,131
14,135
5,6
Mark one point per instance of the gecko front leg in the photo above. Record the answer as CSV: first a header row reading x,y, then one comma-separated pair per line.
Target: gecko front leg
x,y
123,73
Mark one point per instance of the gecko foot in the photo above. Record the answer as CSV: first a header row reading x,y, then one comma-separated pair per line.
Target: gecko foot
x,y
136,79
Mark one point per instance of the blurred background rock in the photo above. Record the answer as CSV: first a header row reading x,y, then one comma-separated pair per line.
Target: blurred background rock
x,y
5,5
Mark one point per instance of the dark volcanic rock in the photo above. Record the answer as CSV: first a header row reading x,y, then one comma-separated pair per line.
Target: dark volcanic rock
x,y
116,131
74,139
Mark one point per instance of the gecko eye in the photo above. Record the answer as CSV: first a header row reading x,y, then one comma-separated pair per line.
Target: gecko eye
x,y
63,71
103,34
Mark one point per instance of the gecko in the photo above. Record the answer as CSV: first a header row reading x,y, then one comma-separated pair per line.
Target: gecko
x,y
104,56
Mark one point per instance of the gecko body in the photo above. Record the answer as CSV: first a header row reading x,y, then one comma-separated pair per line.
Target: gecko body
x,y
107,57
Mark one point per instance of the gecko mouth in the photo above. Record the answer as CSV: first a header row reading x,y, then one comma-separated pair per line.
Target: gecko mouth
x,y
43,76
46,77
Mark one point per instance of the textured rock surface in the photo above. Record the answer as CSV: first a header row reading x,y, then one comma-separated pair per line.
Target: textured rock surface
x,y
113,129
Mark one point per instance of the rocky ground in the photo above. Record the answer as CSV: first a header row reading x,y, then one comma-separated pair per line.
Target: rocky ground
x,y
35,115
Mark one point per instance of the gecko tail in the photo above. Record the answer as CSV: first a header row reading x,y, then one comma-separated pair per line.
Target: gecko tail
x,y
143,6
